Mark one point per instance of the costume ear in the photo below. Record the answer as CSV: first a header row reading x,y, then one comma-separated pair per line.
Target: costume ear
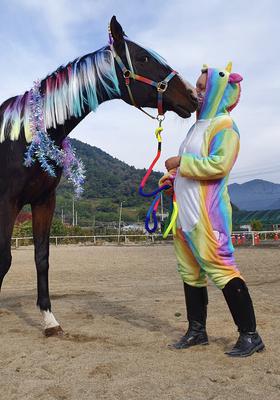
x,y
116,31
235,78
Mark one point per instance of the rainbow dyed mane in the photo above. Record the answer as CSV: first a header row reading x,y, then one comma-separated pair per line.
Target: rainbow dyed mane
x,y
66,93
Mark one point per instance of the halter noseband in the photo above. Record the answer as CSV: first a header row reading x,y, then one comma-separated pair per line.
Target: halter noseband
x,y
129,74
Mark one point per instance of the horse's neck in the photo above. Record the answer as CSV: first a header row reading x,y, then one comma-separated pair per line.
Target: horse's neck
x,y
62,131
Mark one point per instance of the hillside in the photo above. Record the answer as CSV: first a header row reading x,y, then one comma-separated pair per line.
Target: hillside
x,y
109,181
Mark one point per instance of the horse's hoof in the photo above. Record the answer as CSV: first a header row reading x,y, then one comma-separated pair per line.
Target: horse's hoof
x,y
54,331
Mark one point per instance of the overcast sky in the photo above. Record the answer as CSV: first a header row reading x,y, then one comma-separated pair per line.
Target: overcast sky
x,y
37,36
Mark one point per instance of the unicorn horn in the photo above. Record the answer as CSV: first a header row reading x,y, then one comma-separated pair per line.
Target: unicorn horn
x,y
229,67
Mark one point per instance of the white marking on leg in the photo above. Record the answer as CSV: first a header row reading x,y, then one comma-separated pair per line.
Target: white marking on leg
x,y
49,320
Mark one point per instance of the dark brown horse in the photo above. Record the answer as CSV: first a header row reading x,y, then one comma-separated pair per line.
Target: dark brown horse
x,y
69,94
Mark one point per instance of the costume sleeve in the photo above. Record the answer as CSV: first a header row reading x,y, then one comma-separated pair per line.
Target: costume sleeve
x,y
223,151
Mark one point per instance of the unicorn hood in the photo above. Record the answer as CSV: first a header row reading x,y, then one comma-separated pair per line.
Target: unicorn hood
x,y
222,92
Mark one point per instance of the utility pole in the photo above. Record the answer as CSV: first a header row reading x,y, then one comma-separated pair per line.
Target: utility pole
x,y
73,212
62,216
120,219
76,218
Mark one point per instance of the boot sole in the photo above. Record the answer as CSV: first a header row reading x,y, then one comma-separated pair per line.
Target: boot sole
x,y
257,349
172,347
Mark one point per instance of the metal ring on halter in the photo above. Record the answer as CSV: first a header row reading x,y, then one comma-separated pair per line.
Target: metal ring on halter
x,y
160,118
162,86
127,74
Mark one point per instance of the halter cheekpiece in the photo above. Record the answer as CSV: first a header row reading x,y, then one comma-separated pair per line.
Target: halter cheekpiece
x,y
129,74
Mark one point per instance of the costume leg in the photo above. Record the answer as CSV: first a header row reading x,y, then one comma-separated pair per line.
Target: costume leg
x,y
188,267
195,295
241,307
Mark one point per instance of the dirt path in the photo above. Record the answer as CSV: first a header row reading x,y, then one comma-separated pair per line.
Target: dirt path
x,y
118,308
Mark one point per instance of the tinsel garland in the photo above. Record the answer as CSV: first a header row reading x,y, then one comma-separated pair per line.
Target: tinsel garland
x,y
44,149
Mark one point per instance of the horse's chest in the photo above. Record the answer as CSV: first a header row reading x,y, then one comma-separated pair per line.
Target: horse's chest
x,y
38,186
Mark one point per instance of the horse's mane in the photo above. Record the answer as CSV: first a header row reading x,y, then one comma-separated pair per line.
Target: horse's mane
x,y
67,92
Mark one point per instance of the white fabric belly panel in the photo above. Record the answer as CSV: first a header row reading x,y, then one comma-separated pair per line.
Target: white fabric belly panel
x,y
186,189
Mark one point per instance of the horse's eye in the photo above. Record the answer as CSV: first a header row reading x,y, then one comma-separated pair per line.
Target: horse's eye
x,y
221,74
144,59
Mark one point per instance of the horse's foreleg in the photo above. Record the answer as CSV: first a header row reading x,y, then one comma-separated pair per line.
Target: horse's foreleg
x,y
42,214
8,213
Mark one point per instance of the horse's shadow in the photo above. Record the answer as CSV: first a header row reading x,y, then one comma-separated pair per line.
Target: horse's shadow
x,y
91,303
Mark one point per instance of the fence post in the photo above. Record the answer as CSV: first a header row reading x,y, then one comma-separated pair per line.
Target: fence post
x,y
16,243
253,239
56,241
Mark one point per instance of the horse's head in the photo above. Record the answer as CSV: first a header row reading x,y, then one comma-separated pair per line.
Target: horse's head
x,y
146,80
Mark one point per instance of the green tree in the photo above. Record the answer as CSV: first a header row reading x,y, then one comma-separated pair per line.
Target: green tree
x,y
256,225
58,228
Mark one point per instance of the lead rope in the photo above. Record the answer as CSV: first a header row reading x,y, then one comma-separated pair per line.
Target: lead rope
x,y
161,88
152,212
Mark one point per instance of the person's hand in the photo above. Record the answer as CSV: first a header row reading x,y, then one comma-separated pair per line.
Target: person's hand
x,y
172,163
168,179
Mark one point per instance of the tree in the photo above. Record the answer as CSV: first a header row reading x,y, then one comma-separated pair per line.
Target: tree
x,y
256,225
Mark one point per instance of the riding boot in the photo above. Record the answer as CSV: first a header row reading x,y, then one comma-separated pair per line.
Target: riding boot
x,y
241,307
196,305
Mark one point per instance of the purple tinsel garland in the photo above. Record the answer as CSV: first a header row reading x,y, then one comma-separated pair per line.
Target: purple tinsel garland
x,y
44,149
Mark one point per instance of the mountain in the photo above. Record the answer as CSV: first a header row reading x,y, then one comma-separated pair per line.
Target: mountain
x,y
255,195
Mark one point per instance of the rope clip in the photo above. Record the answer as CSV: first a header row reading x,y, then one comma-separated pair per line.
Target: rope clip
x,y
158,131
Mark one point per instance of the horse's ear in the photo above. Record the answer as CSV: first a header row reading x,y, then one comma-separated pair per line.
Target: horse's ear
x,y
116,31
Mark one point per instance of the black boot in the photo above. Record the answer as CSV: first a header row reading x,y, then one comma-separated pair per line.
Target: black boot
x,y
242,310
196,304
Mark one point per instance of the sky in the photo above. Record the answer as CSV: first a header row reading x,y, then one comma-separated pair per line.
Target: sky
x,y
38,36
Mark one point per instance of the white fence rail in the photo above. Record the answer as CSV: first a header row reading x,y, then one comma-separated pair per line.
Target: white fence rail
x,y
94,239
239,238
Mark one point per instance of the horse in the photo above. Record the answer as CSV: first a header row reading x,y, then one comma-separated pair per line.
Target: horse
x,y
120,70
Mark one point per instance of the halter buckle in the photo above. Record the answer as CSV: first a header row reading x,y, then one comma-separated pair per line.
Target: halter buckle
x,y
162,86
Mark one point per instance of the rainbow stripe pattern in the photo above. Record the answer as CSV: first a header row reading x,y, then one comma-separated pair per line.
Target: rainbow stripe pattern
x,y
203,239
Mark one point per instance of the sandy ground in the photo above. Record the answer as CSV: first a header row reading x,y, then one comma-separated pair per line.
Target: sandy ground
x,y
118,306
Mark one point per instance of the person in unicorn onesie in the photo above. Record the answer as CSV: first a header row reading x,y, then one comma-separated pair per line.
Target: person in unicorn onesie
x,y
203,234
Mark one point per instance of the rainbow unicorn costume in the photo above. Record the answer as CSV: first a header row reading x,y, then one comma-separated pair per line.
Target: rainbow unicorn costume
x,y
203,237
203,234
